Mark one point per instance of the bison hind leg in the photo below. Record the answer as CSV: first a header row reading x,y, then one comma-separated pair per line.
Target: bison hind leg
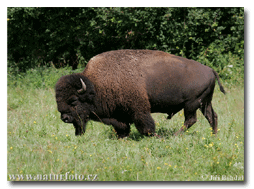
x,y
190,119
144,123
210,115
207,110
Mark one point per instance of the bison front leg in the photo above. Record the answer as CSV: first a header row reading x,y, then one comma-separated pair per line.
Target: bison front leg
x,y
122,129
144,123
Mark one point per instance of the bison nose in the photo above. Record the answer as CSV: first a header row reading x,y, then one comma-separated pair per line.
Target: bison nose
x,y
66,118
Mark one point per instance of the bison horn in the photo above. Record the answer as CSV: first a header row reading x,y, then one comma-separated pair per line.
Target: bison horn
x,y
83,89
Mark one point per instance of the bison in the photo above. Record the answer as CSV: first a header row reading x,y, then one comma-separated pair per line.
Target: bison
x,y
122,87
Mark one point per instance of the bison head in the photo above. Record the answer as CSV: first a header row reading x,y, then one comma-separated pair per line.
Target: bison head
x,y
75,100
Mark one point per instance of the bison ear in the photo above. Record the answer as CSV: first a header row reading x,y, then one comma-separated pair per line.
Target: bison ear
x,y
83,89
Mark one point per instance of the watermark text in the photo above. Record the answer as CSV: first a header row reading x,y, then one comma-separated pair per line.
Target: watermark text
x,y
52,177
222,177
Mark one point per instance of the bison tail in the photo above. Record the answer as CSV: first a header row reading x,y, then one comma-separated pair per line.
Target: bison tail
x,y
221,87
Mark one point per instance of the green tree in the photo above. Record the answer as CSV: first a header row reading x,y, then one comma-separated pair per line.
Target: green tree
x,y
38,36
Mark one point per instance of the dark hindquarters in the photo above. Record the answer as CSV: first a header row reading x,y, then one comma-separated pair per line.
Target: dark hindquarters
x,y
203,102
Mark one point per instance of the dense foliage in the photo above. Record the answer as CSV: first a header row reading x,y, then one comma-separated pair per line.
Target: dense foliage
x,y
39,36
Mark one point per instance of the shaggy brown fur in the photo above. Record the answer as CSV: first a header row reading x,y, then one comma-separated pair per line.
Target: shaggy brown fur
x,y
125,86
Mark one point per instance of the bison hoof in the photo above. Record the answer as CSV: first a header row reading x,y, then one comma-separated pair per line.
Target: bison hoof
x,y
156,135
122,136
178,133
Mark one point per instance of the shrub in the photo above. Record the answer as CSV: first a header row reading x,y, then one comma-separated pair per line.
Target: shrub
x,y
66,36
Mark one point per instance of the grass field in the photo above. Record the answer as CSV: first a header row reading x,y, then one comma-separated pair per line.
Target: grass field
x,y
42,147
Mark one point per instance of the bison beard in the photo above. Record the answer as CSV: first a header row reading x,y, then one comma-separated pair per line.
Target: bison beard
x,y
80,123
79,128
123,87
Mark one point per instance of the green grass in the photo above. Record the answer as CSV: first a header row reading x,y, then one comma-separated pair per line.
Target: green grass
x,y
40,145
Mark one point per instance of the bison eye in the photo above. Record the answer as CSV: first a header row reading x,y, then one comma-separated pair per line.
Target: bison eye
x,y
73,101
